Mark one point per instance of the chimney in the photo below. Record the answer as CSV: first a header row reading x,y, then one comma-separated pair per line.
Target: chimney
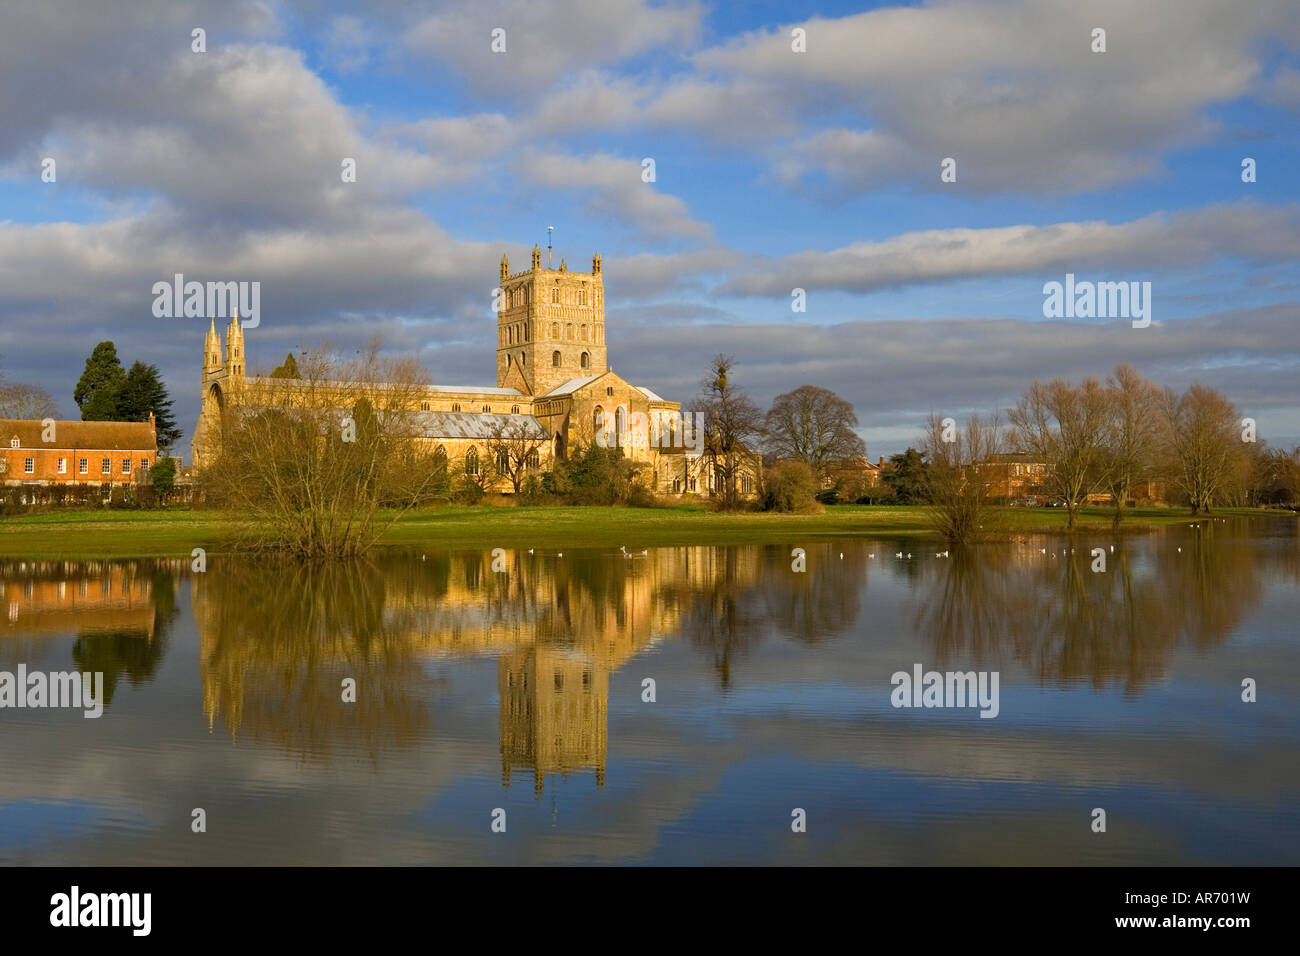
x,y
882,462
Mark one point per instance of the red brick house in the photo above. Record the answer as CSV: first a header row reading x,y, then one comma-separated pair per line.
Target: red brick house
x,y
38,455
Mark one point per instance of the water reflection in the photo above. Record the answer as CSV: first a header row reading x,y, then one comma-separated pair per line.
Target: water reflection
x,y
121,611
276,643
1044,606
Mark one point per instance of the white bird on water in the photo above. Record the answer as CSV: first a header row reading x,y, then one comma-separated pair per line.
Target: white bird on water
x,y
899,555
841,555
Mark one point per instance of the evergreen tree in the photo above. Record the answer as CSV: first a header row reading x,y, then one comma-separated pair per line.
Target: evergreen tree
x,y
143,392
163,477
100,385
287,370
909,477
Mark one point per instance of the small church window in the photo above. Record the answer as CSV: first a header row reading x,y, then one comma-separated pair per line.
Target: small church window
x,y
471,462
455,407
514,409
555,295
586,360
609,389
487,409
424,406
582,297
555,359
555,330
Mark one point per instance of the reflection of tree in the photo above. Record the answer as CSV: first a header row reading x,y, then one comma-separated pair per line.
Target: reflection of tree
x,y
278,641
820,603
1066,623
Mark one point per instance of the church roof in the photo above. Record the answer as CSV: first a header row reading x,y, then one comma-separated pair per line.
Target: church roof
x,y
480,425
649,394
572,385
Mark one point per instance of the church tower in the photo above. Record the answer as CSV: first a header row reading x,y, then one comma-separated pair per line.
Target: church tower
x,y
235,350
550,325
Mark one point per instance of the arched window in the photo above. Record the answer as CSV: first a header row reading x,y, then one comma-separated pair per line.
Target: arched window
x,y
471,461
510,335
555,295
586,360
598,418
455,407
440,456
582,297
620,424
514,409
424,406
533,459
584,333
555,330
568,332
503,462
555,359
487,409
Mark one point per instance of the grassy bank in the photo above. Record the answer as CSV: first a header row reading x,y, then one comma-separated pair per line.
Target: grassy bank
x,y
174,532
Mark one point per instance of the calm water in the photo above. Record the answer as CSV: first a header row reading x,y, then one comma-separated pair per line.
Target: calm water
x,y
523,691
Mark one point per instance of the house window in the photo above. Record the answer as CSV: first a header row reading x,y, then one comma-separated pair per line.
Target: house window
x,y
83,466
471,462
144,464
585,361
13,443
63,466
29,465
555,359
126,466
105,466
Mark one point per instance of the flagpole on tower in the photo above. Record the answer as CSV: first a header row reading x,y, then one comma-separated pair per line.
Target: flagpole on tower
x,y
549,230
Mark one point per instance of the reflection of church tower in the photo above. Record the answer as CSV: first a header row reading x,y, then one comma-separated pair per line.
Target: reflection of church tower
x,y
554,713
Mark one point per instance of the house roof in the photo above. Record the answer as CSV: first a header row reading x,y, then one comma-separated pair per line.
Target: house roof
x,y
92,436
479,425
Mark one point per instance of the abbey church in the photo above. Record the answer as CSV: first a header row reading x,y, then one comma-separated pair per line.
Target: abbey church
x,y
553,383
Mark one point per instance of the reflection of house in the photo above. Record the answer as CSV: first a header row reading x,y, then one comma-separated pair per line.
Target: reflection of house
x,y
100,454
86,598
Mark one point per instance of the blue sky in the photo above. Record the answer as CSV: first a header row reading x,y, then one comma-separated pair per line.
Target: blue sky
x,y
774,170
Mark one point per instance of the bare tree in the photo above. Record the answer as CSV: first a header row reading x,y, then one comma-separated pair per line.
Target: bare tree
x,y
310,462
1131,435
514,449
731,420
26,401
1202,435
1063,425
960,496
813,425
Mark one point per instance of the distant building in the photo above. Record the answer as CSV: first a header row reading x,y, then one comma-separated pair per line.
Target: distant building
x,y
77,454
1014,475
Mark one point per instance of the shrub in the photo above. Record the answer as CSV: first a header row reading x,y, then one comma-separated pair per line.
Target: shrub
x,y
790,486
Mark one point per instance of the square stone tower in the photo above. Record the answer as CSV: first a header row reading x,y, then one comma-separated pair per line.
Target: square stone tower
x,y
550,325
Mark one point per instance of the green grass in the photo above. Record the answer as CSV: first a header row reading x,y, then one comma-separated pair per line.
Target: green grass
x,y
175,531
